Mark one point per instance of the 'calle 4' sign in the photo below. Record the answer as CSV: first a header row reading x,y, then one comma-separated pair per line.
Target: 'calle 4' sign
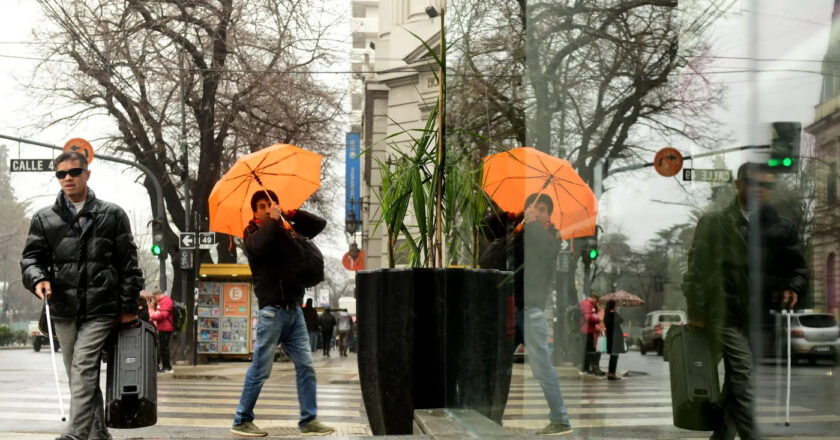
x,y
23,165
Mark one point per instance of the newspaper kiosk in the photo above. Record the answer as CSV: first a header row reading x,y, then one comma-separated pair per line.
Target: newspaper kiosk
x,y
226,309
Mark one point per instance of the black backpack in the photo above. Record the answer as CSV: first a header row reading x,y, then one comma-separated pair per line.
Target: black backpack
x,y
179,316
305,267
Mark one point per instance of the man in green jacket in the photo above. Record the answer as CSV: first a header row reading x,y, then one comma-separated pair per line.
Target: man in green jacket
x,y
745,261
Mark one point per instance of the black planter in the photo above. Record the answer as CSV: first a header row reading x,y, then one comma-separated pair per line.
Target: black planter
x,y
433,338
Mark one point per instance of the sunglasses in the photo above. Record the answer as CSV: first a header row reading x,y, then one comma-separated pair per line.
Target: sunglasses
x,y
73,172
765,185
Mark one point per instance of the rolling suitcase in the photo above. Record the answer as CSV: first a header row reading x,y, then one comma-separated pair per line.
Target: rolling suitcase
x,y
131,383
695,389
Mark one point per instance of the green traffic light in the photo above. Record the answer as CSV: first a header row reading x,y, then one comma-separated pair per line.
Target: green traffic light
x,y
773,162
156,250
787,161
593,254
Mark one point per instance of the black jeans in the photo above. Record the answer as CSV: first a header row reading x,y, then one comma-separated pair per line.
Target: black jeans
x,y
163,350
591,358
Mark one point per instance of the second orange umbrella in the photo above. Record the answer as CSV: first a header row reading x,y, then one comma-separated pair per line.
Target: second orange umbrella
x,y
511,176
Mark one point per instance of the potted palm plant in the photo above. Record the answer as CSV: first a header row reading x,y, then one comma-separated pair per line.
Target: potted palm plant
x,y
432,335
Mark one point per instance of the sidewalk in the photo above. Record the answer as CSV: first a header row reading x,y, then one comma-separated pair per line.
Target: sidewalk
x,y
334,370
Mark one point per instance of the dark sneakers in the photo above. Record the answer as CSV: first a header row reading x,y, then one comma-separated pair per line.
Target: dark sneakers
x,y
556,429
316,428
248,429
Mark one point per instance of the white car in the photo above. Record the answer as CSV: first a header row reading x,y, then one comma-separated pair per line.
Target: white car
x,y
656,327
814,336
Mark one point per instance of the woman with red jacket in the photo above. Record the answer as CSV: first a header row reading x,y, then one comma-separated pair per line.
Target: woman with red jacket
x,y
590,324
160,312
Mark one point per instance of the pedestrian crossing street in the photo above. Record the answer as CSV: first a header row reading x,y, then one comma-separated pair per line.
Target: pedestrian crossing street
x,y
207,404
597,407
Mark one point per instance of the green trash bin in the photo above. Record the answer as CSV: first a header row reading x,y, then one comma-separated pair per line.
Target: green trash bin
x,y
695,388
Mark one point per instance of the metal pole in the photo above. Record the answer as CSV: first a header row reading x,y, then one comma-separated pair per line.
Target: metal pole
x,y
149,175
186,180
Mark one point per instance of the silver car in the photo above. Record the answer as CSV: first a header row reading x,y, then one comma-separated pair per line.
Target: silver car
x,y
814,336
656,327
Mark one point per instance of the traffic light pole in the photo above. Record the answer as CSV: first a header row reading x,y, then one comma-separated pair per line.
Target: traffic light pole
x,y
149,174
599,173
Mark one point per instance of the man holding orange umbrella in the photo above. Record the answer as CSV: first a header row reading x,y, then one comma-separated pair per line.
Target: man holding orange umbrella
x,y
277,245
267,246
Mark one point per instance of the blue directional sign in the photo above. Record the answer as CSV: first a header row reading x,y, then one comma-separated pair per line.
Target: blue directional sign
x,y
352,192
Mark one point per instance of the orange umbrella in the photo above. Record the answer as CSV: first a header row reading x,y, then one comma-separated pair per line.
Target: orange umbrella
x,y
292,173
511,176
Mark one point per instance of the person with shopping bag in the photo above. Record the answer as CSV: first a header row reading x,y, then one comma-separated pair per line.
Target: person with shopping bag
x,y
590,329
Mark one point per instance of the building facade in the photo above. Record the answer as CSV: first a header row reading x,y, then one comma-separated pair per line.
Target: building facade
x,y
825,239
397,97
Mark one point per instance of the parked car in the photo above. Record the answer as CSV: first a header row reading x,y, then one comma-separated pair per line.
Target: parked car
x,y
39,339
656,327
814,336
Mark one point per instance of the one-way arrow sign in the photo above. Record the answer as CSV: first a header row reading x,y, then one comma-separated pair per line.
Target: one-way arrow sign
x,y
187,240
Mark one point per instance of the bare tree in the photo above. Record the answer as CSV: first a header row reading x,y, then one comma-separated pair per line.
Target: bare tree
x,y
248,82
600,79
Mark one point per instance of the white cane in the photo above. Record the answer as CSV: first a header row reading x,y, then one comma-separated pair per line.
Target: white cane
x,y
52,354
787,399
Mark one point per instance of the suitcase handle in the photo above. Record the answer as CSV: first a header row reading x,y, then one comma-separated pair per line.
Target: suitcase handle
x,y
129,390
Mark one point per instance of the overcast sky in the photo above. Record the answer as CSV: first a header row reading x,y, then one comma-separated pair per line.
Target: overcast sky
x,y
789,31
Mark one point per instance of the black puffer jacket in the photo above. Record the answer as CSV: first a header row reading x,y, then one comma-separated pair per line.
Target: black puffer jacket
x,y
716,284
92,269
267,248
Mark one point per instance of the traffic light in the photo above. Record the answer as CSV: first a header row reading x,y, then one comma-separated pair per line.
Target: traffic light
x,y
157,238
784,146
587,248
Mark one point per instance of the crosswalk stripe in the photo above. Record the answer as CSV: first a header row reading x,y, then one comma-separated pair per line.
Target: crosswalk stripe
x,y
264,424
511,412
227,410
653,421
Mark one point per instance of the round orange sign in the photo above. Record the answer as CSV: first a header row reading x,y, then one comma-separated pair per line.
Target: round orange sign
x,y
668,162
354,264
81,146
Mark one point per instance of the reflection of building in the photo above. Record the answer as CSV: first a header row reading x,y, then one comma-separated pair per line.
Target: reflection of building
x,y
399,97
826,130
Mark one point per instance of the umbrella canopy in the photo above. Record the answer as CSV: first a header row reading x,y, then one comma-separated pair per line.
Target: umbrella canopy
x,y
293,173
622,298
511,176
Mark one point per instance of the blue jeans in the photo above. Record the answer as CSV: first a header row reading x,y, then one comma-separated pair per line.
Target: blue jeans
x,y
539,357
276,326
313,341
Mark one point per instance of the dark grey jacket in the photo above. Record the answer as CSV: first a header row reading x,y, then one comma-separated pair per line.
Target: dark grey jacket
x,y
92,268
716,285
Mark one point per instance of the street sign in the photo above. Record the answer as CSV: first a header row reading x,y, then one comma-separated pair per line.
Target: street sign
x,y
19,165
186,258
206,240
668,162
187,240
697,175
564,261
81,146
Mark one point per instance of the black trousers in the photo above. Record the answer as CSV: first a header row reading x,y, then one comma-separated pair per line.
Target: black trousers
x,y
591,358
163,350
613,363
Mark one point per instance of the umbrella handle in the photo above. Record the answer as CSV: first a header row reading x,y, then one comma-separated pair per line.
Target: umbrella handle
x,y
286,224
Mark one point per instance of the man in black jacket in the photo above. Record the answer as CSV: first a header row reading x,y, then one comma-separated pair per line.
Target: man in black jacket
x,y
269,246
745,261
81,256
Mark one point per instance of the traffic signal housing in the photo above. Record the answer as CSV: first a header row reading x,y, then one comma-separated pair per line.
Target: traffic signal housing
x,y
587,248
157,239
784,146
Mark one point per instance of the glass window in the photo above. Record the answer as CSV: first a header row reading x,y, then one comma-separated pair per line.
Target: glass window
x,y
817,321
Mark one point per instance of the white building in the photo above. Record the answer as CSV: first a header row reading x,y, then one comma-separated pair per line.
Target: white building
x,y
398,97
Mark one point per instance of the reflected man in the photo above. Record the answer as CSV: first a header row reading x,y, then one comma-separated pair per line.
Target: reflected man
x,y
717,286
